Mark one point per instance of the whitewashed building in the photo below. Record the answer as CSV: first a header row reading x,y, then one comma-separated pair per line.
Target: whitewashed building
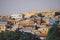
x,y
16,16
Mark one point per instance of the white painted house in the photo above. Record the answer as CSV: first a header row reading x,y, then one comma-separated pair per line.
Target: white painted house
x,y
16,16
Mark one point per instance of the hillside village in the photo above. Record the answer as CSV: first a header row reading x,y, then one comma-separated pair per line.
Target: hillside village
x,y
36,22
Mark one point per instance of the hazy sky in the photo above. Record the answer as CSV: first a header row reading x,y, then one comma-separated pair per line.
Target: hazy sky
x,y
18,6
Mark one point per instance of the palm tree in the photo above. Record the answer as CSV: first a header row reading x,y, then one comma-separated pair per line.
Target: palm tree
x,y
40,15
23,16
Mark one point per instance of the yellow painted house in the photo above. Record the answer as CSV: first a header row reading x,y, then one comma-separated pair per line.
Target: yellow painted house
x,y
26,22
43,30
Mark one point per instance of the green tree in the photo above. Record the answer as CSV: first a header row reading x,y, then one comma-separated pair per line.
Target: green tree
x,y
23,16
40,15
53,33
17,35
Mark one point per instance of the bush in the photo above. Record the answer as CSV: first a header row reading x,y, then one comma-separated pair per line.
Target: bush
x,y
54,33
17,35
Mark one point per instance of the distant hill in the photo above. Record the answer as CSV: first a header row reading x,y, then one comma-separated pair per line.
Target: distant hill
x,y
35,12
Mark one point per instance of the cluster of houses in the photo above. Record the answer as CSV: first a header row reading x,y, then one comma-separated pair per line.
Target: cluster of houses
x,y
31,22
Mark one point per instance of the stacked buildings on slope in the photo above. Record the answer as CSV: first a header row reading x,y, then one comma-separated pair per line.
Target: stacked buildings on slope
x,y
31,21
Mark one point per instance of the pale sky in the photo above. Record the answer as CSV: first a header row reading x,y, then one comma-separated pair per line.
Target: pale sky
x,y
19,6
